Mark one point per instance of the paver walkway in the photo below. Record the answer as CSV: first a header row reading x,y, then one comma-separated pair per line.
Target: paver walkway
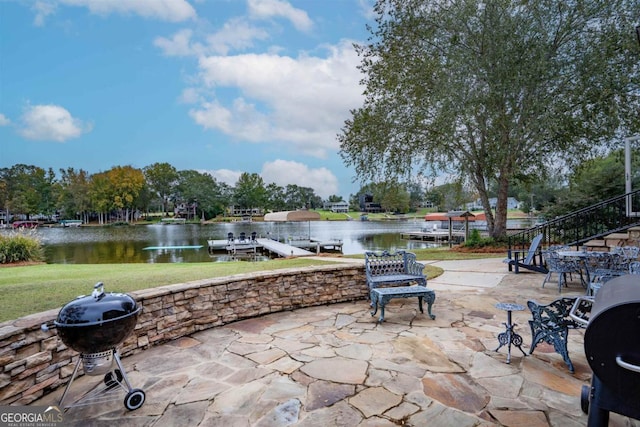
x,y
335,366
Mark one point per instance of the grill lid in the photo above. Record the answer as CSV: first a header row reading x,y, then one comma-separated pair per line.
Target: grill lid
x,y
97,308
611,340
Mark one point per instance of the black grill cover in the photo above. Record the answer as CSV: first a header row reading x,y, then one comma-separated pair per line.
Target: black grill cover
x,y
614,331
99,322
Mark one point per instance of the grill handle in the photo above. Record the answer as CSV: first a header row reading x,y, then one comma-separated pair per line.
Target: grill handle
x,y
98,290
627,366
45,327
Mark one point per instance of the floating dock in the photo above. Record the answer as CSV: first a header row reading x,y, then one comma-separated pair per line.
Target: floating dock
x,y
156,248
291,248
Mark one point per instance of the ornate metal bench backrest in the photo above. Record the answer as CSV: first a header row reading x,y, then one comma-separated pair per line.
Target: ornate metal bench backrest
x,y
385,263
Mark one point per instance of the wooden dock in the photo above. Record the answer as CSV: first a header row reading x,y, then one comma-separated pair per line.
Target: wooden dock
x,y
434,236
317,244
282,249
272,246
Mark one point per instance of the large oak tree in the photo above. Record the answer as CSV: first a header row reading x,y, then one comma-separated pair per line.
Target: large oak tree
x,y
494,91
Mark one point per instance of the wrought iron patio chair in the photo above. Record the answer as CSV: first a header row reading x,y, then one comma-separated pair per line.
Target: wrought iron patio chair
x,y
551,323
627,255
561,267
601,267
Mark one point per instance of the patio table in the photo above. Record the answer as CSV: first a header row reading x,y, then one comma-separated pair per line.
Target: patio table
x,y
581,257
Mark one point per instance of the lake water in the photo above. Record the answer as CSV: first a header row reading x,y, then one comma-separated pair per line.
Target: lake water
x,y
125,244
99,245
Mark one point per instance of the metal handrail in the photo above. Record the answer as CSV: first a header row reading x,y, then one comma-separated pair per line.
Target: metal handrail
x,y
583,225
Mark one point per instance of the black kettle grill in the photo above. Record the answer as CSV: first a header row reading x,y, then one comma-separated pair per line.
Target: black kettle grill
x,y
93,326
612,348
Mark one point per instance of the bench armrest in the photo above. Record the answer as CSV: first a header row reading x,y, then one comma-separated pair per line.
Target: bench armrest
x,y
415,268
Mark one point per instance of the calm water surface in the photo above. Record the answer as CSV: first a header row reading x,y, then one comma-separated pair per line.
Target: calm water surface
x,y
97,245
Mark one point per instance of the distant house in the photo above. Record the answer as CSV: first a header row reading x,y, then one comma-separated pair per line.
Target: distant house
x,y
185,210
367,204
512,203
338,207
238,211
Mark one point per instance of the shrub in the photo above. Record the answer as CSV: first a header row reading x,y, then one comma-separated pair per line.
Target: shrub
x,y
17,246
475,240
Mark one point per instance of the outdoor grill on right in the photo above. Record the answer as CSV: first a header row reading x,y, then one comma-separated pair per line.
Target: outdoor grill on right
x,y
612,348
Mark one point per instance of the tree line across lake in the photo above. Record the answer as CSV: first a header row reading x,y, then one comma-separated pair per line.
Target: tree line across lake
x,y
123,192
28,191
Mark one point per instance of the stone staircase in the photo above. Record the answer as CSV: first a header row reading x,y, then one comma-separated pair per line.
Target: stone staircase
x,y
629,238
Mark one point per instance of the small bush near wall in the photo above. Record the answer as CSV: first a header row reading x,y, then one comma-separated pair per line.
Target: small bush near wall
x,y
19,246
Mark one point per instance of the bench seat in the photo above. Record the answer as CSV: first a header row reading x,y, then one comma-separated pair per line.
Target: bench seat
x,y
374,281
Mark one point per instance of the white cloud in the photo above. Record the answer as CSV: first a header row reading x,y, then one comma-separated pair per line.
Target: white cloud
x,y
225,175
189,95
212,115
4,121
301,101
236,34
164,10
275,8
283,172
51,123
179,44
366,9
42,9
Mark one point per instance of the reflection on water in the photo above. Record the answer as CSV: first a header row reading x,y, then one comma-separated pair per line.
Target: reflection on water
x,y
96,245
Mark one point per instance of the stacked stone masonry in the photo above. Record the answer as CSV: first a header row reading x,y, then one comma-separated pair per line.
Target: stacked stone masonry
x,y
34,362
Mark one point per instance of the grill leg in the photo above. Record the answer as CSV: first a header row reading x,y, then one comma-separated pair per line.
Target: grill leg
x,y
116,356
73,376
598,417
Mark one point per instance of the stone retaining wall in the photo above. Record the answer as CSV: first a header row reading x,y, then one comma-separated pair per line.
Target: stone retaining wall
x,y
34,362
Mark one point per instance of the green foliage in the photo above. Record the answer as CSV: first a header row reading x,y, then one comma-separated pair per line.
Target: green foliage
x,y
28,190
493,91
161,178
210,197
475,240
250,191
593,181
20,246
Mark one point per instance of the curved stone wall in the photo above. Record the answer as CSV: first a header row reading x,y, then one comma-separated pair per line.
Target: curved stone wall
x,y
34,362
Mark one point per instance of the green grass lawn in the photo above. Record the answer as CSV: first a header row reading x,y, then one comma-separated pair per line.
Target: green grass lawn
x,y
31,289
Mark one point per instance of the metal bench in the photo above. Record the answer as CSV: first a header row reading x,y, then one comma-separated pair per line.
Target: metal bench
x,y
401,267
388,275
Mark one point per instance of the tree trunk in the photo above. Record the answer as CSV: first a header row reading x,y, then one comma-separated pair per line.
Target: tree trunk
x,y
500,225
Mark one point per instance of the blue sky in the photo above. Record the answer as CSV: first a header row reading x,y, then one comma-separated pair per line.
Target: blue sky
x,y
219,86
